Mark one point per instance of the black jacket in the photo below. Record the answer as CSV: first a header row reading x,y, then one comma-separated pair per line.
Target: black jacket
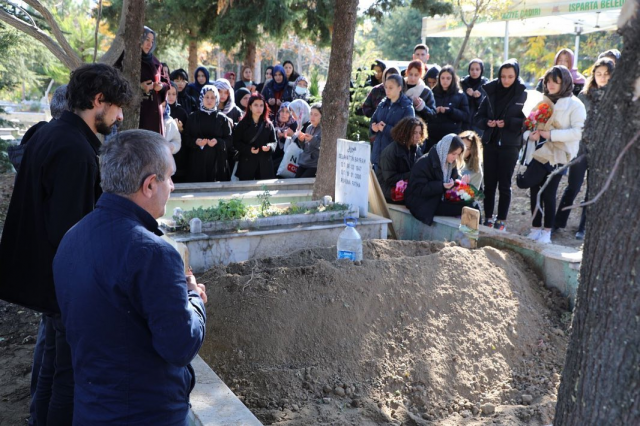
x,y
254,166
208,164
425,189
187,101
395,165
441,125
474,103
511,133
57,185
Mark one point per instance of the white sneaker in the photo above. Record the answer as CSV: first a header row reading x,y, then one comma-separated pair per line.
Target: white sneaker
x,y
545,237
534,234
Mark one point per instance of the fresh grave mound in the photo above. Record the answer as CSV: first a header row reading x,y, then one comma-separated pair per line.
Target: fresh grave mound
x,y
417,330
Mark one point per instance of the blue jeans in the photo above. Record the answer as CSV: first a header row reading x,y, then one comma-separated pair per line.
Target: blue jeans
x,y
35,369
54,391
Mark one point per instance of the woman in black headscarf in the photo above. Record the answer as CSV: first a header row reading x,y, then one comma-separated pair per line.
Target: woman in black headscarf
x,y
181,79
154,84
472,88
500,117
178,113
207,135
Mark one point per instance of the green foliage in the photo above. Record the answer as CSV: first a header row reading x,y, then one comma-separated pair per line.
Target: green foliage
x,y
380,8
225,210
314,83
265,200
358,125
234,209
394,44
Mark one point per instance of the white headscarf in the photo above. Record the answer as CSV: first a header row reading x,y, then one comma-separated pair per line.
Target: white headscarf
x,y
302,111
209,88
223,84
442,148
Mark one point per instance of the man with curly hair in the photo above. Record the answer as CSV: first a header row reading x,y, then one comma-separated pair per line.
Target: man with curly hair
x,y
57,185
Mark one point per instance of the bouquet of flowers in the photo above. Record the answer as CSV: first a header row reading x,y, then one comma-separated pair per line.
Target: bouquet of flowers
x,y
539,116
462,193
397,193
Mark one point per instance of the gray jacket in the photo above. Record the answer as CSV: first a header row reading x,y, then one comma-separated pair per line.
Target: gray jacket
x,y
311,149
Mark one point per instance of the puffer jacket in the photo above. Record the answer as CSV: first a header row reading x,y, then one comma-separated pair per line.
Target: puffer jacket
x,y
390,113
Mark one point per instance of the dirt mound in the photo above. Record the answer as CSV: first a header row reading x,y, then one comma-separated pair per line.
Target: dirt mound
x,y
417,332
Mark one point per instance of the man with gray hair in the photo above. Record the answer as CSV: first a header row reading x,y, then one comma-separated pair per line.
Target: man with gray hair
x,y
58,106
134,321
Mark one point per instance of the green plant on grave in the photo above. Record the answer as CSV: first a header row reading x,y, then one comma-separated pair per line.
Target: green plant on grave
x,y
265,201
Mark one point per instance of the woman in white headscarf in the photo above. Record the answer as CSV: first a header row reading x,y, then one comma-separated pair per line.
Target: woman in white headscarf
x,y
227,104
432,175
207,134
300,110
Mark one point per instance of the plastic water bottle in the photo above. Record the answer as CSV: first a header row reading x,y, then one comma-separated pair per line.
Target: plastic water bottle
x,y
349,241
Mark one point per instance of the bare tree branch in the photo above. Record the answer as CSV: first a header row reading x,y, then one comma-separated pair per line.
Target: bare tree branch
x,y
117,45
33,22
611,174
41,36
57,33
551,175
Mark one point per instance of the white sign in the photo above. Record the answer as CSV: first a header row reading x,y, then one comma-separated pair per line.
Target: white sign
x,y
353,161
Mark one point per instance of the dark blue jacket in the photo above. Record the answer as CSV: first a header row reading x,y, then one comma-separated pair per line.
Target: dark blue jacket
x,y
390,114
132,326
269,93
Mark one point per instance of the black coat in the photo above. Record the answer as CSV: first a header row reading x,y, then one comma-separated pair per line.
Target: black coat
x,y
57,185
451,121
425,189
474,103
395,165
208,164
254,166
187,101
511,133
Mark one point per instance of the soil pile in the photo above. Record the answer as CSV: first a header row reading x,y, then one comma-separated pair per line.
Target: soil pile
x,y
417,333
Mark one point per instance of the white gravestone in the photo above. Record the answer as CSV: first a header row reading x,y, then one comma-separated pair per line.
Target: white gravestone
x,y
353,161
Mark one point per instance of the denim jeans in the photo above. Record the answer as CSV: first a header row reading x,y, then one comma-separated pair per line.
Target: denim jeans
x,y
35,369
54,391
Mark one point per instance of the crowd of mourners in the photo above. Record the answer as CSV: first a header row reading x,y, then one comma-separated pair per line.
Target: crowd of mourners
x,y
470,130
226,129
124,319
432,132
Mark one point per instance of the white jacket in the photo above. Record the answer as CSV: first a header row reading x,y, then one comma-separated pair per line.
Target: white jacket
x,y
567,121
172,135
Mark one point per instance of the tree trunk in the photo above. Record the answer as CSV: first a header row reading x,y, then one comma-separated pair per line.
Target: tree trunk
x,y
600,381
193,58
335,96
467,35
131,63
250,57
